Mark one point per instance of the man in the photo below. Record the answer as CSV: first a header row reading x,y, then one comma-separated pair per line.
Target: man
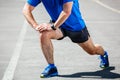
x,y
66,20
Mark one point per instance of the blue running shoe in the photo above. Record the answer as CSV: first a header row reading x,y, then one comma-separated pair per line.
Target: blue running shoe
x,y
104,61
49,71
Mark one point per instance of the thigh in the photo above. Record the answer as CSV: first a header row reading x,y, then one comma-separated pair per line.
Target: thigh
x,y
78,36
58,34
53,34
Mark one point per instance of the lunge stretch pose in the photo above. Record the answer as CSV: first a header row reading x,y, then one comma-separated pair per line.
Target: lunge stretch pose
x,y
66,20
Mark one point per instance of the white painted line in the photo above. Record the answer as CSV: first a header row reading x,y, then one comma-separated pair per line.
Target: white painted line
x,y
110,22
9,73
106,6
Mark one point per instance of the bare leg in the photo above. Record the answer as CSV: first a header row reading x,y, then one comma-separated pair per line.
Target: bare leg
x,y
92,49
46,44
47,49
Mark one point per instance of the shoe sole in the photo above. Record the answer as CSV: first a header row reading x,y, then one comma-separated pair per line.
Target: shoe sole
x,y
51,75
104,67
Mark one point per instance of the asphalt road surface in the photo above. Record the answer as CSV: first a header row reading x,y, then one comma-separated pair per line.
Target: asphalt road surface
x,y
21,57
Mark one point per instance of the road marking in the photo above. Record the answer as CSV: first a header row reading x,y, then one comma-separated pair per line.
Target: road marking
x,y
9,73
110,22
106,6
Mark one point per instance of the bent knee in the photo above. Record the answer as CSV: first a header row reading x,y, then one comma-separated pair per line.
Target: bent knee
x,y
45,36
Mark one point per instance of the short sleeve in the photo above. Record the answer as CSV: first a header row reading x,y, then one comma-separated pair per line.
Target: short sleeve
x,y
33,2
64,1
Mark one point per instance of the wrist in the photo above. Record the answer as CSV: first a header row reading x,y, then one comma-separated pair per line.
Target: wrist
x,y
35,26
53,27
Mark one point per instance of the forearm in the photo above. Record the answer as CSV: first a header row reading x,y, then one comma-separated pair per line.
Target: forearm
x,y
29,17
61,19
27,12
67,7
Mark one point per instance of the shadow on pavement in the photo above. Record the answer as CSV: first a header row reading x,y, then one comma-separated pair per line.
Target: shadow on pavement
x,y
97,74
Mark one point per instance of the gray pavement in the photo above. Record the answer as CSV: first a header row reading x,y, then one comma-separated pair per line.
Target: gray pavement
x,y
72,62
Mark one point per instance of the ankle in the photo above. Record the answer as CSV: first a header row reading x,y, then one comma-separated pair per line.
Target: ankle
x,y
105,53
51,65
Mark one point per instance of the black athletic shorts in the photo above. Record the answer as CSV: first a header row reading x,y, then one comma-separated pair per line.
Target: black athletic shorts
x,y
76,36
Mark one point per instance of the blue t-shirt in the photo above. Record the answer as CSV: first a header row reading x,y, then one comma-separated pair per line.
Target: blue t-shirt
x,y
54,8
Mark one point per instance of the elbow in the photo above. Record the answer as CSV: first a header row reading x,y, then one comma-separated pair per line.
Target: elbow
x,y
27,9
68,13
24,11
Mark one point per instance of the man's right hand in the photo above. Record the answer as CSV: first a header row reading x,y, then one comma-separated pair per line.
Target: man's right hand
x,y
37,27
43,26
